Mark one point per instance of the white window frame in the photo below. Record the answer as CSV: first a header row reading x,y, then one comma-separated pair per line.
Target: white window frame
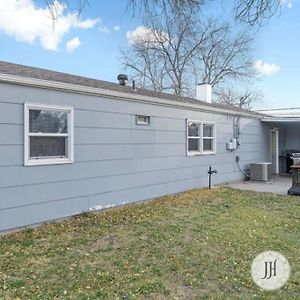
x,y
69,135
200,138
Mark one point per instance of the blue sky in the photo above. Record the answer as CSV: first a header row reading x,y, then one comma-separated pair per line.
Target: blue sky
x,y
279,42
91,46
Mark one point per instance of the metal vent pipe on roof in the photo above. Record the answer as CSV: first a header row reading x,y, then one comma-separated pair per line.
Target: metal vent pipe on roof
x,y
122,78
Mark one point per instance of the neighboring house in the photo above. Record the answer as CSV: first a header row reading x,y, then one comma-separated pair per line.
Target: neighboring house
x,y
70,144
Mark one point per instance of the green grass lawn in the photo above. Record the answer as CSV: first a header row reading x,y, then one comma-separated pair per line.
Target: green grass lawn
x,y
198,244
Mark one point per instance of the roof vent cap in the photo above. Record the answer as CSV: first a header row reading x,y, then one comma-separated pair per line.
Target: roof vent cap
x,y
122,78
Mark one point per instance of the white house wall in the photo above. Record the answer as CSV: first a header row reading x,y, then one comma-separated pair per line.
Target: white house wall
x,y
116,161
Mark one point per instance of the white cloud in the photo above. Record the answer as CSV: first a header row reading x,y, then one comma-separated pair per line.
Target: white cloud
x,y
88,23
286,3
73,44
104,29
28,23
146,35
266,68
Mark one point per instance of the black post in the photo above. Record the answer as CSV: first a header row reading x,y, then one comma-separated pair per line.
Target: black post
x,y
209,177
210,171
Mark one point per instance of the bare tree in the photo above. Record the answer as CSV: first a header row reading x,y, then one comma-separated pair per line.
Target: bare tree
x,y
178,50
172,54
163,56
243,99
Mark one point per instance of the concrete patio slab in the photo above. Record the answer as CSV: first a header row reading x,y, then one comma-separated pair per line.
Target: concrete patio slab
x,y
278,185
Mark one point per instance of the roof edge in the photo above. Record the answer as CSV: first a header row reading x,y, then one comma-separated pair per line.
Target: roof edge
x,y
271,119
96,91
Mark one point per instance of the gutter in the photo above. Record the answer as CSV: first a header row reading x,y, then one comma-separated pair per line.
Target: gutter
x,y
280,119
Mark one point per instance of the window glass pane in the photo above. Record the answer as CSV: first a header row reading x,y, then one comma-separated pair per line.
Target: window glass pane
x,y
48,121
208,145
208,130
193,129
193,144
47,146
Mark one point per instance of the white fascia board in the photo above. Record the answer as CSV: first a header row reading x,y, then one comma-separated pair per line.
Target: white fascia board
x,y
79,89
280,120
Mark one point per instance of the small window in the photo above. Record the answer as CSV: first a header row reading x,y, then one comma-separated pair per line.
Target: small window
x,y
143,120
48,135
200,138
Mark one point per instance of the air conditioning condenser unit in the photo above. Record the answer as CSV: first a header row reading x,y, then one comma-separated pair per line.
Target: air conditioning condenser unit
x,y
261,171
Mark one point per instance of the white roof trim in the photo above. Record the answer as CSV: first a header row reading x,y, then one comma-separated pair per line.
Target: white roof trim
x,y
74,88
281,119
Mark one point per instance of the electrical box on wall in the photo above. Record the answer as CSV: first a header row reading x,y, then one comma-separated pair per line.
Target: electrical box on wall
x,y
233,141
232,145
229,146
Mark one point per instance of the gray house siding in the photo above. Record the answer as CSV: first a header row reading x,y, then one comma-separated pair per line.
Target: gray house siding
x,y
116,161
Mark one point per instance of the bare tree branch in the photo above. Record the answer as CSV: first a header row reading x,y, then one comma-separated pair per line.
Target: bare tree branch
x,y
255,12
76,5
244,100
226,56
252,12
177,6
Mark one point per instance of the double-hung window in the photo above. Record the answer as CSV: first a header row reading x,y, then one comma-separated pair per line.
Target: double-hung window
x,y
48,134
201,138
